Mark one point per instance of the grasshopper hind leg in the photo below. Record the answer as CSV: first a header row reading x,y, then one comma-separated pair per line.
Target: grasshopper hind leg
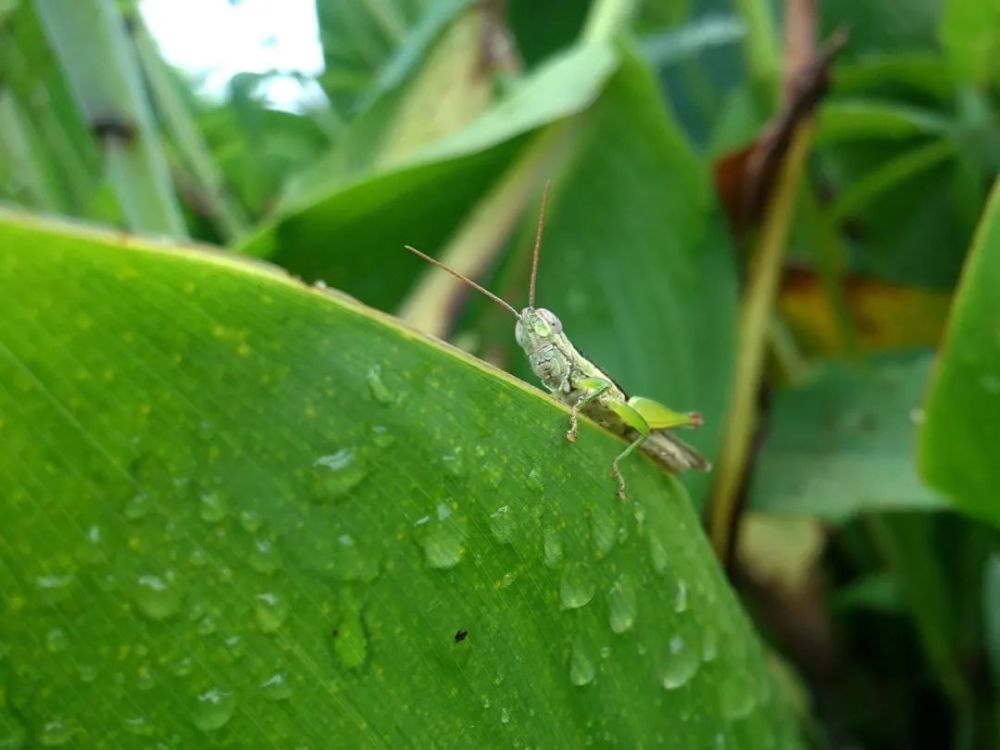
x,y
616,470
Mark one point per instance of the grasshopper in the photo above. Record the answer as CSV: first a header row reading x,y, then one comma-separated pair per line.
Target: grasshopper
x,y
584,387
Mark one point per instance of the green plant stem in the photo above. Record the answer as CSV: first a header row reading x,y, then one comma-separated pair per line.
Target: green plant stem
x,y
21,158
754,324
90,42
190,144
607,18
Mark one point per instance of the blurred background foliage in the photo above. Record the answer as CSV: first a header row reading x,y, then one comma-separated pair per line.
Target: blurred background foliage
x,y
811,336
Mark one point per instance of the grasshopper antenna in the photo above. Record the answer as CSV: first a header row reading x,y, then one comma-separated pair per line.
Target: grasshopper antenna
x,y
466,279
538,244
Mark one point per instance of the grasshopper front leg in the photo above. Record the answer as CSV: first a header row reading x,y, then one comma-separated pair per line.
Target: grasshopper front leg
x,y
598,387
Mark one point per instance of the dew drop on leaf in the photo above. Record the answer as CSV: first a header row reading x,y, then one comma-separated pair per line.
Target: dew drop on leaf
x,y
581,668
681,597
264,557
158,597
621,605
271,610
376,385
442,537
138,726
56,640
576,587
335,475
137,507
680,664
602,530
212,507
276,687
54,733
502,524
350,644
552,549
381,436
214,709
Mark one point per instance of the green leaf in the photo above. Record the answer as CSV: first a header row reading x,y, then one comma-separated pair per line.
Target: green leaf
x,y
351,235
860,119
843,443
970,33
241,511
959,439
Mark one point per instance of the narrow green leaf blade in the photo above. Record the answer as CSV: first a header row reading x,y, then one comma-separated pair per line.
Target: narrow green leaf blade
x,y
962,429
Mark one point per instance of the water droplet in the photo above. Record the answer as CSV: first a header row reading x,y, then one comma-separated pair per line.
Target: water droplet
x,y
349,561
658,554
552,549
680,664
681,597
621,605
502,524
264,558
443,538
576,587
276,687
492,474
454,463
581,668
158,597
182,667
250,521
138,506
504,716
736,696
214,709
91,550
379,390
54,733
337,474
709,645
207,625
271,611
602,530
534,480
56,640
138,726
381,436
198,557
86,672
350,643
212,507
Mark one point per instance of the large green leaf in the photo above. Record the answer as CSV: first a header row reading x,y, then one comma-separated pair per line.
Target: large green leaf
x,y
843,443
960,436
243,512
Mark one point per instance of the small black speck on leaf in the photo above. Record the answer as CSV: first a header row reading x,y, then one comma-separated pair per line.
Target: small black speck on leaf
x,y
460,635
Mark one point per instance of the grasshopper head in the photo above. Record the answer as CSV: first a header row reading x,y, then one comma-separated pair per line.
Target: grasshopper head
x,y
536,325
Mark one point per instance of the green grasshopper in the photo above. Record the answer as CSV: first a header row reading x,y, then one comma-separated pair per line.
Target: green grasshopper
x,y
584,387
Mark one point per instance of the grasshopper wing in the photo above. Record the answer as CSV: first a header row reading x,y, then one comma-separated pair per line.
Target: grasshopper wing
x,y
673,453
660,417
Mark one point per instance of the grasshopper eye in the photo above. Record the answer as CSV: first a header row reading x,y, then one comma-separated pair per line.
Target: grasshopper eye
x,y
519,333
549,317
